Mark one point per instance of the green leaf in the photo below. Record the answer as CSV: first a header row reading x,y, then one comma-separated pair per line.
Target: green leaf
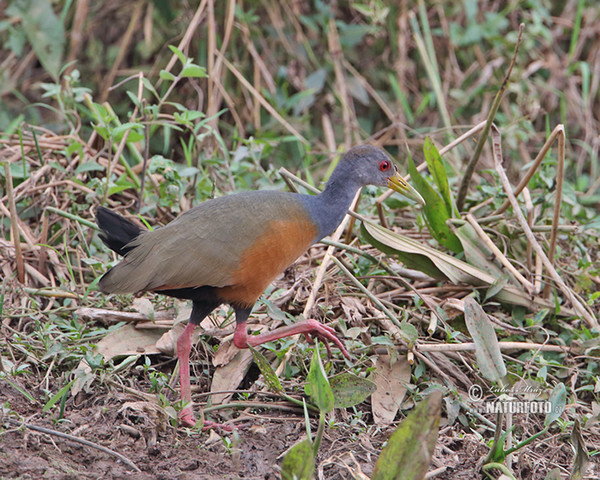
x,y
193,71
558,400
497,286
265,368
487,348
89,167
409,449
44,31
57,396
21,390
435,211
349,390
299,463
317,386
164,75
132,128
179,53
438,172
409,332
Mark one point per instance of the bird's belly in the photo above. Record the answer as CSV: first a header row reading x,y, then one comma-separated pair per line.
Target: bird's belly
x,y
272,252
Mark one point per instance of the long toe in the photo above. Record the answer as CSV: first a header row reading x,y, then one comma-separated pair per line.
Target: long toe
x,y
187,418
207,425
327,334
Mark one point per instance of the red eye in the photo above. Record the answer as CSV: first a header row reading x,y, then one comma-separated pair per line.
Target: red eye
x,y
384,166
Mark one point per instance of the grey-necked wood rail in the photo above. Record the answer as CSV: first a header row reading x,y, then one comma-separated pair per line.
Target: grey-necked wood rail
x,y
229,249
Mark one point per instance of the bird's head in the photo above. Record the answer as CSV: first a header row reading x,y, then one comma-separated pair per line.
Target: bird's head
x,y
372,166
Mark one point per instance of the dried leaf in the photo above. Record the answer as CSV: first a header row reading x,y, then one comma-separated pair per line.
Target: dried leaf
x,y
391,381
487,348
128,340
582,458
229,376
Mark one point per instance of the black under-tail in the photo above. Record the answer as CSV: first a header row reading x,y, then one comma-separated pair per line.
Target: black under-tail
x,y
117,231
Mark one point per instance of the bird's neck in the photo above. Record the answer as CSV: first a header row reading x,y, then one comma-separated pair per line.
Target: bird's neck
x,y
329,207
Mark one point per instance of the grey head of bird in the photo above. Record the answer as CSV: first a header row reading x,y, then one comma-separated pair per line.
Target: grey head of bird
x,y
369,165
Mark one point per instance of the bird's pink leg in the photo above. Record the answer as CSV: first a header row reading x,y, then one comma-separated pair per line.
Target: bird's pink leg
x,y
241,339
184,345
186,417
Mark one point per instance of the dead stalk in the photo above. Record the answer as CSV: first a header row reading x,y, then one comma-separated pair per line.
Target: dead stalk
x,y
498,254
470,169
558,131
14,218
560,177
577,305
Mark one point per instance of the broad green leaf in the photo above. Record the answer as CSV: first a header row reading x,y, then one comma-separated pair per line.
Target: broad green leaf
x,y
435,211
558,400
265,368
438,172
44,31
131,127
349,390
299,463
193,71
317,386
89,167
487,348
409,449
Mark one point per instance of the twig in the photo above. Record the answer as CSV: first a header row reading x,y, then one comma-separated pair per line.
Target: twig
x,y
73,438
498,254
464,184
534,166
187,37
13,223
577,305
560,177
348,117
470,347
370,295
123,48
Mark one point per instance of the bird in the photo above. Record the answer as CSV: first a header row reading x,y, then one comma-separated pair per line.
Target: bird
x,y
227,250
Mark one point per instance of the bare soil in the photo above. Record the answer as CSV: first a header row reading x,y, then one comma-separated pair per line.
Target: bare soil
x,y
161,451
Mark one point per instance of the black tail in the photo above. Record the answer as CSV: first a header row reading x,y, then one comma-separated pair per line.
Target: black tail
x,y
117,231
